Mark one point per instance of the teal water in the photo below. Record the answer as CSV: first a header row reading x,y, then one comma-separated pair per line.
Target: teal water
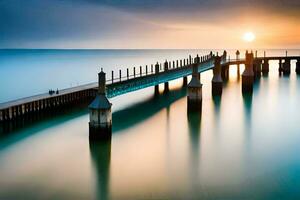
x,y
240,147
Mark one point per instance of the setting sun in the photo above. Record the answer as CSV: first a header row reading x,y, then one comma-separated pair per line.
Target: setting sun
x,y
249,37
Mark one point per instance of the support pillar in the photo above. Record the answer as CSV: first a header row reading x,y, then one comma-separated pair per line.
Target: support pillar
x,y
217,81
265,67
257,67
298,66
156,87
248,75
286,67
280,66
196,63
166,88
194,97
100,113
185,81
238,65
225,72
166,68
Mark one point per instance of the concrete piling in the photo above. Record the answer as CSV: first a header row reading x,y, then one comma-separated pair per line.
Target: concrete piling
x,y
280,66
286,67
265,65
194,97
248,74
257,69
217,81
100,113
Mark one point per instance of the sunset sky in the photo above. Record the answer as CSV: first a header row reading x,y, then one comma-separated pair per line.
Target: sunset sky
x,y
149,23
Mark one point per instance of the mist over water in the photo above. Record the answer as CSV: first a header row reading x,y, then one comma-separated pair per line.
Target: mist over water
x,y
239,147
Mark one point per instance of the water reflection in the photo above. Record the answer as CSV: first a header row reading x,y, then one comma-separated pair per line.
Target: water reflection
x,y
137,113
57,115
217,104
234,149
100,155
247,99
12,133
194,127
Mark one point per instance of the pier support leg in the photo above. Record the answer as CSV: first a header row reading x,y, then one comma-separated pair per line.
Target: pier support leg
x,y
265,67
280,68
225,72
166,89
217,82
298,67
248,74
100,114
156,89
257,68
286,67
194,97
185,81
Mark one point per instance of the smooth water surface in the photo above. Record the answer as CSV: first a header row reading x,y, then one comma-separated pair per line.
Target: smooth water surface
x,y
239,147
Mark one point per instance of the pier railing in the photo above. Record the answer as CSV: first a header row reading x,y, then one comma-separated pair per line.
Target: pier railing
x,y
143,71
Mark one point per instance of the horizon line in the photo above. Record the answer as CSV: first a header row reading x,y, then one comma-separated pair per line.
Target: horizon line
x,y
150,49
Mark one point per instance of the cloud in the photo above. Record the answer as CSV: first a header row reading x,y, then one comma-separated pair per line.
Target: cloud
x,y
192,5
47,20
134,23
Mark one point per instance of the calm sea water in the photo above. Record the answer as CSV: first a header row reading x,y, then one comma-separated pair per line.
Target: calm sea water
x,y
239,147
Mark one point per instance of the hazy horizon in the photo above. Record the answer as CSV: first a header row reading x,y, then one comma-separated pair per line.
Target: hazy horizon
x,y
150,49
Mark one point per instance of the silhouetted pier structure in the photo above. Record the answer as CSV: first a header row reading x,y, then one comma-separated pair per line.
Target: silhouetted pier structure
x,y
152,75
